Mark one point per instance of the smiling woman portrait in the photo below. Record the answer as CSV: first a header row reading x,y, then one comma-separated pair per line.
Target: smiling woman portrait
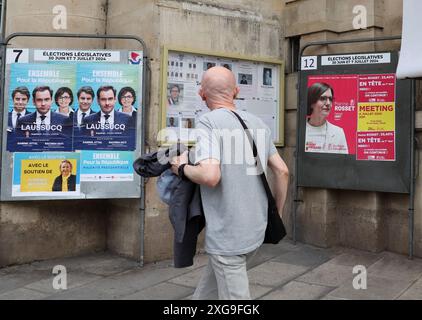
x,y
66,181
321,135
64,100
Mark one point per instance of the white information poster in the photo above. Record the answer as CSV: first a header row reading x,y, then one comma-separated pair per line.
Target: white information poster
x,y
259,84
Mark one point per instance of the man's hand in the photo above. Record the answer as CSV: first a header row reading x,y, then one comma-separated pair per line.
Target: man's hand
x,y
176,162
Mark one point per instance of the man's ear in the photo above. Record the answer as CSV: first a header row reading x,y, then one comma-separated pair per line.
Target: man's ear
x,y
202,95
235,92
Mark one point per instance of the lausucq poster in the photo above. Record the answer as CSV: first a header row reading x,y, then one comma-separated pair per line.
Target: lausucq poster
x,y
106,127
33,123
77,106
351,114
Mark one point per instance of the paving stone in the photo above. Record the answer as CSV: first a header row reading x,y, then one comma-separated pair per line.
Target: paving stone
x,y
265,253
74,280
190,279
397,267
355,257
273,274
286,244
110,266
22,294
258,291
126,283
307,258
141,278
84,293
378,288
414,292
296,290
328,274
162,291
10,282
74,263
101,264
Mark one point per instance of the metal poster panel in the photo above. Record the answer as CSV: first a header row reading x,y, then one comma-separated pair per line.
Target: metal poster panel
x,y
357,119
79,107
354,130
259,83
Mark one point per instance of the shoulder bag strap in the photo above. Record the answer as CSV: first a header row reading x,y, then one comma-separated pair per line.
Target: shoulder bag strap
x,y
257,159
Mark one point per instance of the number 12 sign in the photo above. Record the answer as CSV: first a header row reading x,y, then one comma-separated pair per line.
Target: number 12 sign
x,y
309,63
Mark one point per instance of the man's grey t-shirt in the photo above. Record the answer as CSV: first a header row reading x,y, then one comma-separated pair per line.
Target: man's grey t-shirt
x,y
236,209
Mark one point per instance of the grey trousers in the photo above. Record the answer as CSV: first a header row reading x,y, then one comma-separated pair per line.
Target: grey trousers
x,y
225,278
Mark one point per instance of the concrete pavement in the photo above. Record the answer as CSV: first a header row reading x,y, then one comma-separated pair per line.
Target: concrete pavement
x,y
283,271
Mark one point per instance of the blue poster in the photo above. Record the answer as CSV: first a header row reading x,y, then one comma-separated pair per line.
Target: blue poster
x,y
106,166
35,120
109,121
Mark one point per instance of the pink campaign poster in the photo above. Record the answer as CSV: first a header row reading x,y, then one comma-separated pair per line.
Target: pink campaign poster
x,y
331,125
352,114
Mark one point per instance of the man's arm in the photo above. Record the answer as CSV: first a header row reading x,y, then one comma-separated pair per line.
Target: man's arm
x,y
281,173
206,172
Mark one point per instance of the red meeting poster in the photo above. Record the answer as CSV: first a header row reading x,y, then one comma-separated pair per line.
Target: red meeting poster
x,y
359,120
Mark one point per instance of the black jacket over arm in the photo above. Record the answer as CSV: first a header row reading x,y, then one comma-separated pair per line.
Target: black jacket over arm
x,y
185,210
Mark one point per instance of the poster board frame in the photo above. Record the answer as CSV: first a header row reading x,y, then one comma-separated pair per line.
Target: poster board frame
x,y
343,171
220,55
90,192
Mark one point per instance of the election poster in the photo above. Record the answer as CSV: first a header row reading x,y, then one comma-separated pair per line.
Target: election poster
x,y
56,107
331,114
107,127
34,123
376,118
71,104
107,166
45,174
351,114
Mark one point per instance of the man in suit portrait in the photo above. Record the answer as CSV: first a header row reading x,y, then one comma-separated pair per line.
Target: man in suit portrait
x,y
20,97
66,181
42,120
85,98
107,119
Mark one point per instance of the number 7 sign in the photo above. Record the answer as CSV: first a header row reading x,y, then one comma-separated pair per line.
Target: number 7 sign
x,y
17,56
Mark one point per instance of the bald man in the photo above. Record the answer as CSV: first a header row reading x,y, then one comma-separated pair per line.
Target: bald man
x,y
233,196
